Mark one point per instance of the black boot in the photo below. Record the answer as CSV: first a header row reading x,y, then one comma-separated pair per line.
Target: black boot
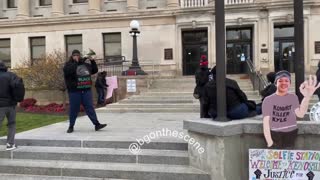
x,y
70,130
100,126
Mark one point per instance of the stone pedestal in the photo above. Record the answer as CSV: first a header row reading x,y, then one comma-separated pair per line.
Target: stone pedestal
x,y
23,9
94,6
132,5
172,3
57,8
227,144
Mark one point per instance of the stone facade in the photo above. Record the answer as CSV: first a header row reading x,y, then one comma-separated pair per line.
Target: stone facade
x,y
162,23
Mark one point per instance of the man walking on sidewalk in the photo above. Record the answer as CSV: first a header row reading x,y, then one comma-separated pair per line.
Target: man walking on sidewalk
x,y
77,74
8,101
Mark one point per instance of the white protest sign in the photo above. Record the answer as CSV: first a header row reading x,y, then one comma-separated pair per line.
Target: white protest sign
x,y
131,85
273,164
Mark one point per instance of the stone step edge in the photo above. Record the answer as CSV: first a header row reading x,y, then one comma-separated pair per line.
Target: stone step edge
x,y
69,168
154,144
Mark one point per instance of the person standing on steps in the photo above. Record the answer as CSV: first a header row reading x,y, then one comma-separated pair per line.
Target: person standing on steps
x,y
10,84
202,77
77,75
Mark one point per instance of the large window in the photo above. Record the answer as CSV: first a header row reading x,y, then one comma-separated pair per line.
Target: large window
x,y
80,1
112,44
73,42
37,48
45,2
5,54
11,3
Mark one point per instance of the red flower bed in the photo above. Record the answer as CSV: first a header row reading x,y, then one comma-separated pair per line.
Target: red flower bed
x,y
28,102
29,105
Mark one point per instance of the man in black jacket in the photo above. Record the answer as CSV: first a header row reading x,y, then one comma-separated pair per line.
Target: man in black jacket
x,y
8,104
77,75
237,101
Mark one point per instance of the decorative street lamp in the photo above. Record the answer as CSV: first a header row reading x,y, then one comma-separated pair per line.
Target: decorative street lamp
x,y
135,68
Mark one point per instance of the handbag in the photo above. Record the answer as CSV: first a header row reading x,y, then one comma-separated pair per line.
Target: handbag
x,y
196,93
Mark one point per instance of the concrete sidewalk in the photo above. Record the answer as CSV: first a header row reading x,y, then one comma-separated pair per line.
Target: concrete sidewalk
x,y
121,127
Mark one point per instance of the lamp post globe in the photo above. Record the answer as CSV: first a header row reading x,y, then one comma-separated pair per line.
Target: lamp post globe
x,y
135,68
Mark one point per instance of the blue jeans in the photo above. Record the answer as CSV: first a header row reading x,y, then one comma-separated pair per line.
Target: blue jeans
x,y
84,98
239,112
101,95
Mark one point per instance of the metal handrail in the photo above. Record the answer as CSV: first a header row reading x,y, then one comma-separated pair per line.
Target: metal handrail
x,y
258,80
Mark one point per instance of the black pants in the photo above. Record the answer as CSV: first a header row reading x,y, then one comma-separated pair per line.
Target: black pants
x,y
203,110
284,140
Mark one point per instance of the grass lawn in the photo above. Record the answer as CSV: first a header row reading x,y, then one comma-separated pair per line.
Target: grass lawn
x,y
27,121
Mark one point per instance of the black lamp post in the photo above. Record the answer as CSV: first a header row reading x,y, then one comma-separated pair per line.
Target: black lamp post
x,y
135,68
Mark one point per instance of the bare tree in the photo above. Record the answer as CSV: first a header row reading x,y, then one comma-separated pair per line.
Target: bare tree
x,y
44,73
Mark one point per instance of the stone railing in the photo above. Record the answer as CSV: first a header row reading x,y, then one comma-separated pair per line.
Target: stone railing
x,y
193,3
226,144
231,2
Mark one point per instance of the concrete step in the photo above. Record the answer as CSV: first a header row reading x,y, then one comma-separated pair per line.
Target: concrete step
x,y
146,156
176,98
115,144
156,101
38,177
142,106
150,110
101,170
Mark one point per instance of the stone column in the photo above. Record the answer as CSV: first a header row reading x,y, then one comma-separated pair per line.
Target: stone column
x,y
172,3
132,5
23,9
94,6
57,8
264,42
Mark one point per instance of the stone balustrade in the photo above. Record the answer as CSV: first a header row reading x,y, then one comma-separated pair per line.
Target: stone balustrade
x,y
226,144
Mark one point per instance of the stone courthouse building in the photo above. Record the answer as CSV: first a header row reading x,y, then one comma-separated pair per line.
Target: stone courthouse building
x,y
174,33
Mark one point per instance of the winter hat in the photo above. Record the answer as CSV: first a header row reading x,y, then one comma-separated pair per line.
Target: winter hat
x,y
281,74
3,66
271,76
75,52
203,60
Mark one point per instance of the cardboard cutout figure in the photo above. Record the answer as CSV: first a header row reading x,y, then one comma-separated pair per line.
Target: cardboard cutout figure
x,y
281,108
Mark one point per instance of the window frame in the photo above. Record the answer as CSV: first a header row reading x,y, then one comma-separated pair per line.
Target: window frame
x,y
9,3
76,1
7,61
105,42
31,47
66,42
42,3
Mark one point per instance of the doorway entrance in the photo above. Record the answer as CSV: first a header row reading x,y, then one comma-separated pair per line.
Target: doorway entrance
x,y
239,49
284,48
194,44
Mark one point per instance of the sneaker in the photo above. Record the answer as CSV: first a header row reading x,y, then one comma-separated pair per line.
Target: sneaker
x,y
70,130
100,126
11,147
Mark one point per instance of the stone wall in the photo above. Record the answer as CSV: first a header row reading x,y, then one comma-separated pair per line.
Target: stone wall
x,y
227,144
48,96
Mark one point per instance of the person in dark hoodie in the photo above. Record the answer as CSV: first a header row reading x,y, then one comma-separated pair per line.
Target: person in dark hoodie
x,y
77,75
202,77
101,87
238,106
271,88
8,104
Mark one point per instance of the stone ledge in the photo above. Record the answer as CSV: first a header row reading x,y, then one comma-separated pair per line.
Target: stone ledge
x,y
238,127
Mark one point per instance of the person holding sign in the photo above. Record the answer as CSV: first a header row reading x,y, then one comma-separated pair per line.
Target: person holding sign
x,y
281,108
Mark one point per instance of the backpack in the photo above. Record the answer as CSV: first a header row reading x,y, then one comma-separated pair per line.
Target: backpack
x,y
18,90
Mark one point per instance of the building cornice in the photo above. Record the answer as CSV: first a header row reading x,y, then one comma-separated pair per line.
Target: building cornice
x,y
142,14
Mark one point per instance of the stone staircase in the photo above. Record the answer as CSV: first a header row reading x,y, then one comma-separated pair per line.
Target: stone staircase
x,y
171,95
75,159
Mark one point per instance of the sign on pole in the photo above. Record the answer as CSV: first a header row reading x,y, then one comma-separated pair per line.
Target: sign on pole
x,y
274,164
131,85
